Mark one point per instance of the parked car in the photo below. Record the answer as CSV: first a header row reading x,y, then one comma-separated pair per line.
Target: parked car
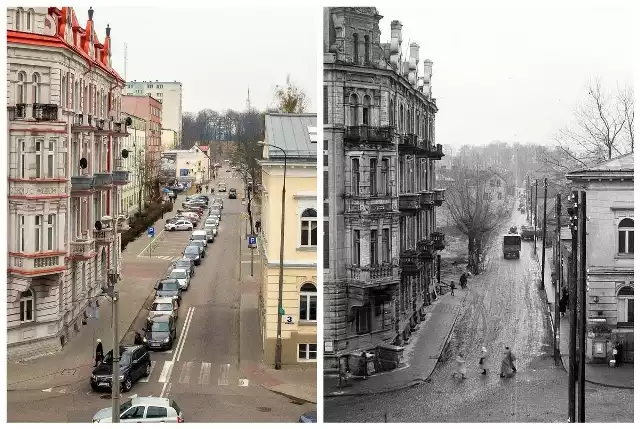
x,y
160,332
198,234
222,187
179,225
233,194
202,244
192,252
182,276
210,235
211,223
163,306
186,264
215,212
144,410
309,417
135,363
170,288
219,201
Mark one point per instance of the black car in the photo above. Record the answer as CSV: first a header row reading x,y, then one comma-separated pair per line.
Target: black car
x,y
202,244
233,194
135,363
185,264
160,332
193,253
169,287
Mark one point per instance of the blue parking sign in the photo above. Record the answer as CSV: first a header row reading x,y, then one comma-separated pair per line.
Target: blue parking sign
x,y
151,232
253,241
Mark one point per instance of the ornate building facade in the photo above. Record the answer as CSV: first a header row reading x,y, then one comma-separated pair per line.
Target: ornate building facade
x,y
380,238
65,168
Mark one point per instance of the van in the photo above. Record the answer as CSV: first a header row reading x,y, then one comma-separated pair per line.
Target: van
x,y
199,234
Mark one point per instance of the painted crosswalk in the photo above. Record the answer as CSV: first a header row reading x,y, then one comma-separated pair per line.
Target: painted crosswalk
x,y
163,257
185,373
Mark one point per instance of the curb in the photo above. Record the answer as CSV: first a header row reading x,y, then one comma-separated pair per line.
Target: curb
x,y
292,397
415,382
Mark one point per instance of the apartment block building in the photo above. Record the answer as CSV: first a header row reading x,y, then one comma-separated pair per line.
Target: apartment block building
x,y
149,109
170,95
380,152
64,171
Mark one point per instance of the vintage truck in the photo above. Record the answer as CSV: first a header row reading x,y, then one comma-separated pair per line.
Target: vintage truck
x,y
511,245
527,232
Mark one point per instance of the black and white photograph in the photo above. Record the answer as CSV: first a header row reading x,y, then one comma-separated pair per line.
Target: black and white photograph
x,y
478,224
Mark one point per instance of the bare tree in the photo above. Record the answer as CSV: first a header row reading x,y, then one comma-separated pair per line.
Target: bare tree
x,y
626,105
598,133
474,208
290,98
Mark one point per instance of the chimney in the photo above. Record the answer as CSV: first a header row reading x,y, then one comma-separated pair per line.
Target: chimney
x,y
428,68
108,30
414,51
90,13
412,72
396,45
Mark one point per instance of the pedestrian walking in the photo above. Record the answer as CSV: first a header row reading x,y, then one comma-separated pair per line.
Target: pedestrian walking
x,y
207,188
484,361
460,367
463,280
99,352
507,367
138,339
617,353
452,286
258,225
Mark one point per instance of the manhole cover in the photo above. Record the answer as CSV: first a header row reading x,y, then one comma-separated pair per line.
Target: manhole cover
x,y
68,371
105,396
264,409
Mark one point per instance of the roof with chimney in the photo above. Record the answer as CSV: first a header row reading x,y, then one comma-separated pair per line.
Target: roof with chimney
x,y
85,40
295,133
620,167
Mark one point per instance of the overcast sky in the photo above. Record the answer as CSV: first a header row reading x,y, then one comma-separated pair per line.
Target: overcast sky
x,y
515,71
216,52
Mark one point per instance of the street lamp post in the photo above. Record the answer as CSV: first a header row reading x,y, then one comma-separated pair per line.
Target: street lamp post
x,y
278,357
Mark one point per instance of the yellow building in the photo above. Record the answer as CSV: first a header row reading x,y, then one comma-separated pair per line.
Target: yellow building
x,y
295,134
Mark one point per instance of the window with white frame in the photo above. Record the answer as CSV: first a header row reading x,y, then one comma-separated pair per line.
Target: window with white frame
x,y
27,301
38,234
22,145
19,13
51,146
22,234
21,96
307,352
51,232
308,302
625,236
39,144
309,228
625,305
35,88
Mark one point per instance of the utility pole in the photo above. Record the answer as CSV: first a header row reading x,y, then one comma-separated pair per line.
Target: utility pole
x,y
528,199
558,285
573,212
544,229
535,223
115,380
583,305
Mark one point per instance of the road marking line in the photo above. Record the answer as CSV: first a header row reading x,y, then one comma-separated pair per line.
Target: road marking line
x,y
185,332
47,390
146,379
205,373
146,249
185,374
224,374
166,371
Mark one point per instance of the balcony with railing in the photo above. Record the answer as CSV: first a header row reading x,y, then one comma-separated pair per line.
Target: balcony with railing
x,y
120,177
427,198
409,262
425,249
434,151
103,180
409,202
20,112
103,126
82,122
439,196
371,205
373,275
36,265
363,134
408,143
45,112
438,240
120,129
81,185
82,248
104,236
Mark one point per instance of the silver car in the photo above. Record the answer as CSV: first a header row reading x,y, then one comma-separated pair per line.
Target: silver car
x,y
163,306
182,276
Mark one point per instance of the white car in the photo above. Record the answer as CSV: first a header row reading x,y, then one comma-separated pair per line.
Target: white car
x,y
213,229
182,276
179,225
163,306
211,223
144,410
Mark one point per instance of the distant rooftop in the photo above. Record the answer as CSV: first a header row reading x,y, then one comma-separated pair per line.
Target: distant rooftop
x,y
295,133
615,167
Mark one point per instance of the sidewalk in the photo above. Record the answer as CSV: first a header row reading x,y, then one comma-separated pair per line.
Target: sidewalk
x,y
601,374
75,362
421,355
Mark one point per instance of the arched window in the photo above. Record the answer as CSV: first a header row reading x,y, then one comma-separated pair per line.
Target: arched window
x,y
625,236
356,53
309,228
366,110
19,14
308,302
35,88
30,18
27,301
625,305
353,109
366,49
21,96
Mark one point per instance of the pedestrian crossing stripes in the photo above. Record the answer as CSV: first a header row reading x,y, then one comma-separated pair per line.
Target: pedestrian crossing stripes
x,y
164,258
185,370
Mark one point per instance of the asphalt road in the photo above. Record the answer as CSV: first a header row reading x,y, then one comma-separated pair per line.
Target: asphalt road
x,y
503,308
204,372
